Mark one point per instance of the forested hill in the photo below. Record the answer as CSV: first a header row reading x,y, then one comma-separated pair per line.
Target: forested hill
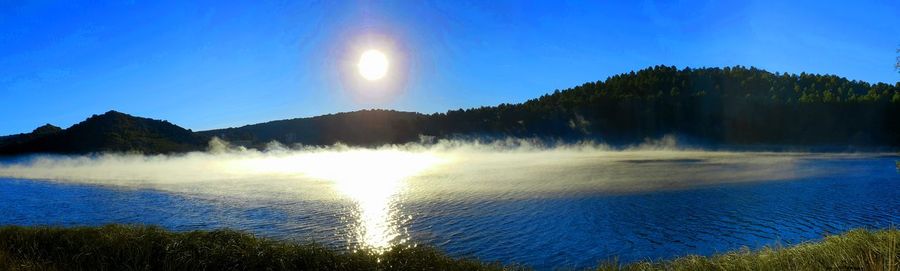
x,y
733,105
716,106
109,132
366,127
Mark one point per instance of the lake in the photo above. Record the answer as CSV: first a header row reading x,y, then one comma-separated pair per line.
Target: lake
x,y
547,208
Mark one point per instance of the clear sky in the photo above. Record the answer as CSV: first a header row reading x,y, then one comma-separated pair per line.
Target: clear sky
x,y
205,64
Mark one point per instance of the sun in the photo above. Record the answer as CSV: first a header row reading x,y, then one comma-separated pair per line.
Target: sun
x,y
373,65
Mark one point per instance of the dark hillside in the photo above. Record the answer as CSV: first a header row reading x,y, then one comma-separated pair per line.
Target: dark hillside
x,y
42,131
733,106
365,128
110,132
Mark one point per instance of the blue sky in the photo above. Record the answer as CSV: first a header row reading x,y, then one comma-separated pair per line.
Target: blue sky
x,y
205,64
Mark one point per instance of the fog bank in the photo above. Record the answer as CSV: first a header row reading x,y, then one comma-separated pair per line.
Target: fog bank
x,y
511,168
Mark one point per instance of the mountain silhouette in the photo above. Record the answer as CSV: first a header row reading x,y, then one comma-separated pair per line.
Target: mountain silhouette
x,y
715,106
364,128
109,132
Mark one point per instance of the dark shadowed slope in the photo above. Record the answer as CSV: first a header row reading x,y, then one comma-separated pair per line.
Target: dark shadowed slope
x,y
715,106
365,128
727,106
732,105
109,132
47,129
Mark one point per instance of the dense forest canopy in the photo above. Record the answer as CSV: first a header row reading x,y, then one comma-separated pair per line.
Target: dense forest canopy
x,y
711,106
732,105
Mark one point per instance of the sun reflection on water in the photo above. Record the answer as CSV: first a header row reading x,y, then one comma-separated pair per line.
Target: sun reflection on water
x,y
371,179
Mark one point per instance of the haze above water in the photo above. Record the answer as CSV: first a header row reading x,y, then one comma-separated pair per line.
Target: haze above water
x,y
515,201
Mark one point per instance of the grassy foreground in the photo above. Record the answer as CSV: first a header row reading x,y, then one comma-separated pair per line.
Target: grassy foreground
x,y
117,247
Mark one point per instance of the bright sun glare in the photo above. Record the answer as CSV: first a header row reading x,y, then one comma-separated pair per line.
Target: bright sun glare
x,y
370,178
373,65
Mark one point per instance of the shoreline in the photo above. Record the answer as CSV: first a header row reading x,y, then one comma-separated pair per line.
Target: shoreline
x,y
129,247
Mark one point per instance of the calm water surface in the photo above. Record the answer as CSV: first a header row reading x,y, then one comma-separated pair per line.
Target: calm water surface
x,y
573,212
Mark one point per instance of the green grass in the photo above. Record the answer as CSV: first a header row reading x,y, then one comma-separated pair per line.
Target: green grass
x,y
854,250
117,247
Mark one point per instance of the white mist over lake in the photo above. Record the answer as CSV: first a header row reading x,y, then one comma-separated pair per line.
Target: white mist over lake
x,y
461,195
501,167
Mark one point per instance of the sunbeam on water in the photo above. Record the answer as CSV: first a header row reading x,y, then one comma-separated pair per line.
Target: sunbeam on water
x,y
371,179
372,182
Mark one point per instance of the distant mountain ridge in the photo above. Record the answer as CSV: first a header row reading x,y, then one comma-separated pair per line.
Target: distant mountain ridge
x,y
44,130
109,132
732,105
365,127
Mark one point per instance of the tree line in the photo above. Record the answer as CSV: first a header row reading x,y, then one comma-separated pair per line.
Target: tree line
x,y
731,105
710,106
